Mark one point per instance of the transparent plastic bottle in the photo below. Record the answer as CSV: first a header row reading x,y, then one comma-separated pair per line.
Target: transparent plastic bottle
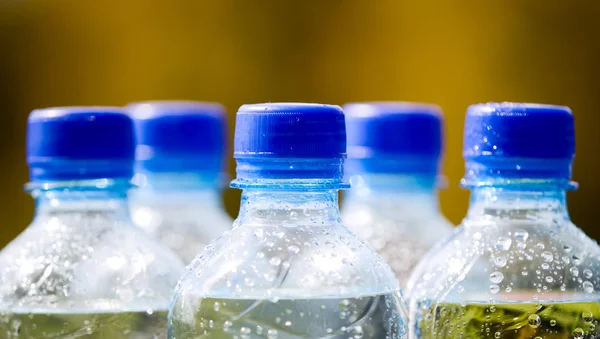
x,y
394,151
517,267
81,269
179,173
289,268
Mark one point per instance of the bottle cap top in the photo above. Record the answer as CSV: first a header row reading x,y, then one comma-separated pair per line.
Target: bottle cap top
x,y
394,137
519,140
289,140
179,136
79,143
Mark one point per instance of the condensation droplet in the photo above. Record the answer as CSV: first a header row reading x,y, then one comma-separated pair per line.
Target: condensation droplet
x,y
574,271
500,261
549,279
496,277
588,317
534,320
275,261
521,235
503,243
547,256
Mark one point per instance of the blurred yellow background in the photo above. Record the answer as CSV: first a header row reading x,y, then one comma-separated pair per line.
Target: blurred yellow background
x,y
453,53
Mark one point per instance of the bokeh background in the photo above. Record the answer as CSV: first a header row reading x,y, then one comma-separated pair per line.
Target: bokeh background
x,y
453,53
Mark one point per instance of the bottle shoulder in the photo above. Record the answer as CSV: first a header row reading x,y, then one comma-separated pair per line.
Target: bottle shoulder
x,y
512,261
288,261
399,224
60,263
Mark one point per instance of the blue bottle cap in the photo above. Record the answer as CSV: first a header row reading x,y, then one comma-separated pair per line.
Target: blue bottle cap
x,y
179,136
79,143
515,140
289,140
394,138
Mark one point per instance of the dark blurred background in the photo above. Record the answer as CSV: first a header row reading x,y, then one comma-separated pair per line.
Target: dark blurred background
x,y
453,53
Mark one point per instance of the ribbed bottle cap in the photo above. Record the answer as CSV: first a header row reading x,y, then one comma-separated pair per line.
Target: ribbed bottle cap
x,y
393,137
289,140
512,140
79,143
179,136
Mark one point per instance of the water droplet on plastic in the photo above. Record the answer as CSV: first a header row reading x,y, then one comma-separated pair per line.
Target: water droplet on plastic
x,y
587,273
494,289
588,287
500,261
496,277
275,261
547,256
578,333
503,243
534,320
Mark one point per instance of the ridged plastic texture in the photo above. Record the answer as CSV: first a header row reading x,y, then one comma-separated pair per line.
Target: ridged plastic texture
x,y
511,140
179,136
393,137
289,140
78,143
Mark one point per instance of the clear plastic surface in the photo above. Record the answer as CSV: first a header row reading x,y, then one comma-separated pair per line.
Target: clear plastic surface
x,y
516,267
185,221
398,216
81,269
288,269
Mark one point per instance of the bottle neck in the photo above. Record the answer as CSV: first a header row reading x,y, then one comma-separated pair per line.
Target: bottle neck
x,y
288,207
520,199
178,188
102,196
403,190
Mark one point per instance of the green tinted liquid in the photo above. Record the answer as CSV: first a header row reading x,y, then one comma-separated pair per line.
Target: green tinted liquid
x,y
368,317
553,320
130,325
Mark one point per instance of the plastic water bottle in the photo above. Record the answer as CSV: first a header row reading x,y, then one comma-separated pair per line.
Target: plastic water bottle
x,y
179,172
289,268
81,269
394,153
517,267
